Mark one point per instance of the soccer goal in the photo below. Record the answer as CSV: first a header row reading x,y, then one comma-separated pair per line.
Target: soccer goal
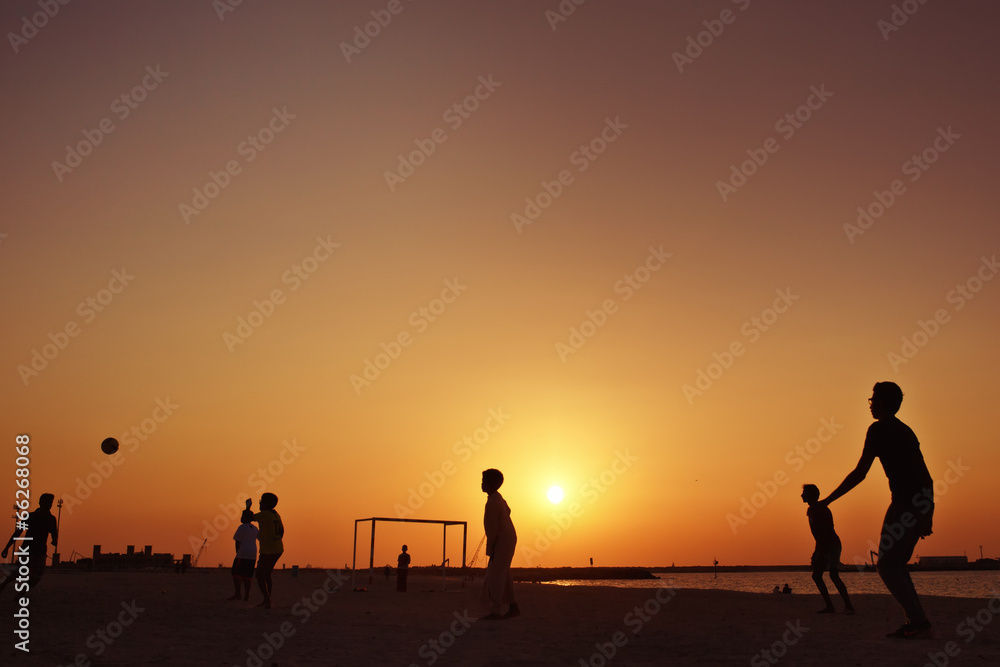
x,y
371,553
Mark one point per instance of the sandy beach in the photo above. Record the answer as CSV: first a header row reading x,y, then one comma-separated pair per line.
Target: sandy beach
x,y
169,619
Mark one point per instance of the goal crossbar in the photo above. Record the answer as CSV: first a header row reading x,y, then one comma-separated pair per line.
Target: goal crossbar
x,y
371,552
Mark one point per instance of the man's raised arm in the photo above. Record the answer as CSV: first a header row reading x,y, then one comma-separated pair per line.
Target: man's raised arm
x,y
853,478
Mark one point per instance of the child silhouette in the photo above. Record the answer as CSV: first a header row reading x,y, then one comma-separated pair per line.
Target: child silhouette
x,y
828,548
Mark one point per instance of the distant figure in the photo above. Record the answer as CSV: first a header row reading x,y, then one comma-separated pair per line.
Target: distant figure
x,y
246,555
777,589
786,589
402,570
911,510
828,548
271,546
501,539
388,571
41,524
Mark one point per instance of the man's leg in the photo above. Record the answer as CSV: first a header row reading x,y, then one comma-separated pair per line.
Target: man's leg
x,y
491,594
817,576
509,595
36,568
265,564
895,549
818,563
236,578
838,582
842,589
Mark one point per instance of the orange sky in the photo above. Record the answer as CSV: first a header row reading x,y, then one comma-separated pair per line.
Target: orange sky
x,y
267,216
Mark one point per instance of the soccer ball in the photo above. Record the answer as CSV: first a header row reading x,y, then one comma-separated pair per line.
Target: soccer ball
x,y
109,446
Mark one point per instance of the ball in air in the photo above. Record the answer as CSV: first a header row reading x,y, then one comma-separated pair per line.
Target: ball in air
x,y
109,446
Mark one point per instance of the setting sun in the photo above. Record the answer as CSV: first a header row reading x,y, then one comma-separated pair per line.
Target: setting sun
x,y
555,495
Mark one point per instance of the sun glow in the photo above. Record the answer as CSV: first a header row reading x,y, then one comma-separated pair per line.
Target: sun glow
x,y
555,495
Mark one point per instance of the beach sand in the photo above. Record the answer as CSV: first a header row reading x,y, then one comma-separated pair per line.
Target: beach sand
x,y
173,619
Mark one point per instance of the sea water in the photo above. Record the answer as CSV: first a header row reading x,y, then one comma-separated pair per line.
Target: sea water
x,y
965,584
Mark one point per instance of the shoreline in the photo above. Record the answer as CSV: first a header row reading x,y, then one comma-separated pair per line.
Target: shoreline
x,y
138,618
580,572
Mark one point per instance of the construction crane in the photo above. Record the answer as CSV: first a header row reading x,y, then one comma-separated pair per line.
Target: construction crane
x,y
475,555
201,549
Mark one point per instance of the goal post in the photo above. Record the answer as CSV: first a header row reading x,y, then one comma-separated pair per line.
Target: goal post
x,y
371,551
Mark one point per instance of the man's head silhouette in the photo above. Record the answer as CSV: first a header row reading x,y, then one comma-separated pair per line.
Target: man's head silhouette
x,y
886,399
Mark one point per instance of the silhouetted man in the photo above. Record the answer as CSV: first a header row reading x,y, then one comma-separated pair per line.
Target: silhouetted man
x,y
402,570
41,524
828,547
911,510
501,539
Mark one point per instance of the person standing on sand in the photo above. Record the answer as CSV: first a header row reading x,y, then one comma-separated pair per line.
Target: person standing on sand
x,y
271,546
828,548
41,524
246,555
402,570
501,540
911,510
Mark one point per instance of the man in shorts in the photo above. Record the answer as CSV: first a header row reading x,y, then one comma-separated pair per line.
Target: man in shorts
x,y
828,548
271,546
911,510
41,524
246,555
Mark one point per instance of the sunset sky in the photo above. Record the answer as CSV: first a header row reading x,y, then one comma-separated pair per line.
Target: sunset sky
x,y
617,250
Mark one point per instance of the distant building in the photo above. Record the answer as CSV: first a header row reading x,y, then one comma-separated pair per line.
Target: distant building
x,y
131,559
943,562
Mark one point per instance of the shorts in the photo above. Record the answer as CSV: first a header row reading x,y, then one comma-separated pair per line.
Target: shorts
x,y
902,528
266,563
243,567
826,559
